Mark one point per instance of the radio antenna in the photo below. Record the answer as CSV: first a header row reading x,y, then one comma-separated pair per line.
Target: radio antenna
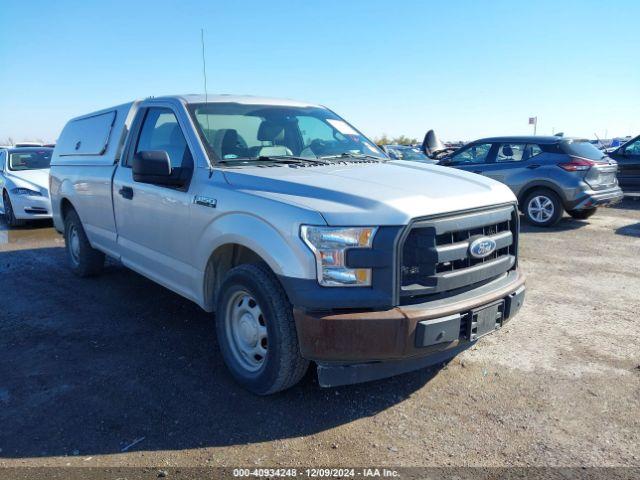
x,y
204,67
206,93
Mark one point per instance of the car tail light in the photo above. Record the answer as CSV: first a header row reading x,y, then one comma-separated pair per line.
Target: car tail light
x,y
577,164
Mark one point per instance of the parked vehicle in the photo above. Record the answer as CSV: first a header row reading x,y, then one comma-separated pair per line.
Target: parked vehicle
x,y
434,148
295,229
24,184
406,152
628,158
547,174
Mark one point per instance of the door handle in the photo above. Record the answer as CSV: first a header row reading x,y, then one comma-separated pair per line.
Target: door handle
x,y
533,166
126,192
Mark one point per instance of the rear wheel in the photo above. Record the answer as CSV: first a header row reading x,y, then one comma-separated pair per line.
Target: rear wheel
x,y
582,214
256,331
84,260
542,208
9,214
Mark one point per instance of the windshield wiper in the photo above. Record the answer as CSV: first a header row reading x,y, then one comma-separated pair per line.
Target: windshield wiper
x,y
292,159
355,156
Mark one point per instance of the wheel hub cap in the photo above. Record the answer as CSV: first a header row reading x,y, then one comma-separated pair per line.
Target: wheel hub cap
x,y
74,244
246,331
541,208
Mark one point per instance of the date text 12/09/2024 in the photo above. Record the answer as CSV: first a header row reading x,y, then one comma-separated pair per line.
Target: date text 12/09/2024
x,y
316,472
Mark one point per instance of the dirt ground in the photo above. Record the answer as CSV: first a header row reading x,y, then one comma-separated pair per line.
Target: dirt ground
x,y
117,371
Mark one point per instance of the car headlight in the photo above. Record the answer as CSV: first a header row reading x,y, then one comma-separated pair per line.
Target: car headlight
x,y
329,245
25,191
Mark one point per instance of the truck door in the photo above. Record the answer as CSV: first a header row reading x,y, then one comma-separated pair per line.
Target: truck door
x,y
628,158
153,219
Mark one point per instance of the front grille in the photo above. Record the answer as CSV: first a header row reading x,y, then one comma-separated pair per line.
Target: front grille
x,y
435,255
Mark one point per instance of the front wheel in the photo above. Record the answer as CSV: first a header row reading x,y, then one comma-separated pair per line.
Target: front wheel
x,y
9,215
256,331
582,214
542,208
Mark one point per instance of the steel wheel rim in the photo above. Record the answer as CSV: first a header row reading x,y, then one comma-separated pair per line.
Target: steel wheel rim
x,y
246,331
541,208
74,245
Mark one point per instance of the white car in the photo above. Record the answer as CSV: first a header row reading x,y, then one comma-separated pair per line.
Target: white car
x,y
24,183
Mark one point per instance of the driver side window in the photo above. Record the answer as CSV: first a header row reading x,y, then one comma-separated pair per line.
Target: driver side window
x,y
473,154
633,148
161,131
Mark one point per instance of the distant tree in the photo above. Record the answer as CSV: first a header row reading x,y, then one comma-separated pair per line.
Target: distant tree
x,y
404,140
400,140
383,140
8,141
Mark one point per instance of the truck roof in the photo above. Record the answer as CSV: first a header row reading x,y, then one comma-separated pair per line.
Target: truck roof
x,y
242,99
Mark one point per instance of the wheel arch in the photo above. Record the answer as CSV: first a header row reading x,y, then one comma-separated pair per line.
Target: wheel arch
x,y
223,259
241,238
540,184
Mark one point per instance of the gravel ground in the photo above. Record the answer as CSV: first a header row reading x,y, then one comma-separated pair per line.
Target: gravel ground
x,y
117,371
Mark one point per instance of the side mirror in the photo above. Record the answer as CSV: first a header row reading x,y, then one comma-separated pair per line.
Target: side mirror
x,y
152,166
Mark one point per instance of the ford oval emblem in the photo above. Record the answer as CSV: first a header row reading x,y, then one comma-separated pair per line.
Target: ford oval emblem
x,y
482,247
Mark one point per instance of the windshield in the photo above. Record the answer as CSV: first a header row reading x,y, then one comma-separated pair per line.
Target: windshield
x,y
30,160
582,148
406,153
234,132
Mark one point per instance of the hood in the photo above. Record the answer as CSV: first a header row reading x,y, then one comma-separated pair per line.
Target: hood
x,y
389,193
33,179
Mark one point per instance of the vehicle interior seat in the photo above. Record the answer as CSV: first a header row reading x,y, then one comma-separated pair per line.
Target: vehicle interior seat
x,y
507,153
227,143
232,144
269,133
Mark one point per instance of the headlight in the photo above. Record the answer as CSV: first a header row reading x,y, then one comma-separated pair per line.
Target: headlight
x,y
25,191
329,245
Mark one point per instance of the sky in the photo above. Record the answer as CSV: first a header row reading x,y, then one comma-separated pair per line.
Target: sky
x,y
466,68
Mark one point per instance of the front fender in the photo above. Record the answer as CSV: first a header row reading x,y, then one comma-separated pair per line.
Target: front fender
x,y
284,252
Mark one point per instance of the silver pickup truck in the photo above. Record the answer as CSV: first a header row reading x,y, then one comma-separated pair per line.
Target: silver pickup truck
x,y
306,241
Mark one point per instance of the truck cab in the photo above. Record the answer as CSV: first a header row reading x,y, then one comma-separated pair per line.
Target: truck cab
x,y
290,225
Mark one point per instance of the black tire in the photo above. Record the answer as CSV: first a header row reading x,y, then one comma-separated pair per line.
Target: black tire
x,y
84,260
582,214
550,198
281,366
9,215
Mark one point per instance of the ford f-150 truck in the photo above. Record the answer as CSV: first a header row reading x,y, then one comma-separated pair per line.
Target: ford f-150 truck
x,y
307,242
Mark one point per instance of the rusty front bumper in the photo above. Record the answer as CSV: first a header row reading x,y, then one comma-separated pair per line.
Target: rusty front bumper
x,y
375,336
